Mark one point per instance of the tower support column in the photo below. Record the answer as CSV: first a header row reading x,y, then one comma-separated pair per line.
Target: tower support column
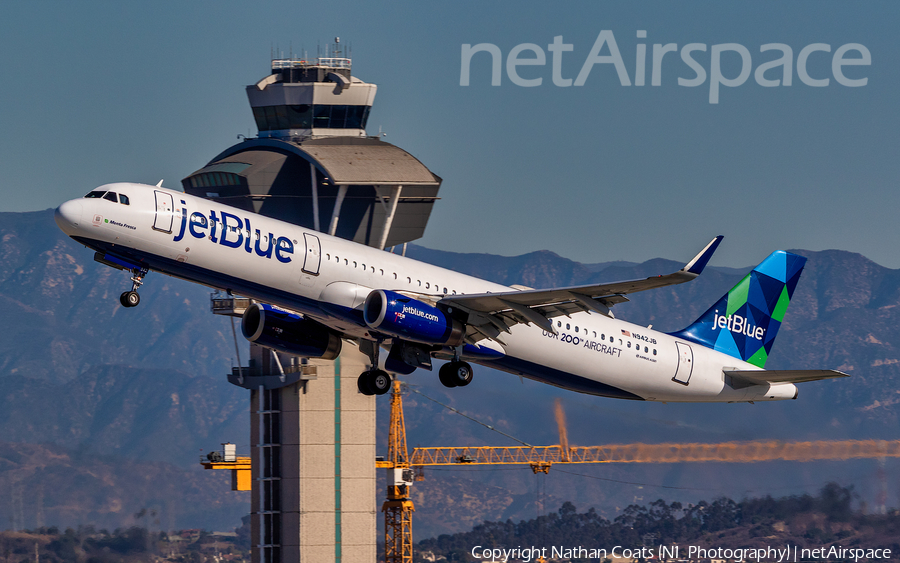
x,y
313,448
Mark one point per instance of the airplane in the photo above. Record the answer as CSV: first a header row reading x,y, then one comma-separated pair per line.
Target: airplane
x,y
313,292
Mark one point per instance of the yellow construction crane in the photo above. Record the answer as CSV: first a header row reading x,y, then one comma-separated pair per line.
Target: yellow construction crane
x,y
398,507
401,466
228,459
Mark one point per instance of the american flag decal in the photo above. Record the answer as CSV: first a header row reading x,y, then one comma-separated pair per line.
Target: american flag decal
x,y
626,333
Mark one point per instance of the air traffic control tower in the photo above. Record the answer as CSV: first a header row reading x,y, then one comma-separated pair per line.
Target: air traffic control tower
x,y
312,433
313,164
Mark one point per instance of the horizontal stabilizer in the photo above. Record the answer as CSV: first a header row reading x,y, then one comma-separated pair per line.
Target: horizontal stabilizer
x,y
760,377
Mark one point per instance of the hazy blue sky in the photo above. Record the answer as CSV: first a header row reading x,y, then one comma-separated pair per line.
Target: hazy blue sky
x,y
96,92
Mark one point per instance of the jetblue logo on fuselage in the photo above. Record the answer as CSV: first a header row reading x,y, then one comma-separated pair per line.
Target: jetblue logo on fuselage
x,y
738,325
234,232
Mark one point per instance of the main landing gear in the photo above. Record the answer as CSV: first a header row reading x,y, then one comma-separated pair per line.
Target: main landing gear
x,y
374,381
455,374
131,298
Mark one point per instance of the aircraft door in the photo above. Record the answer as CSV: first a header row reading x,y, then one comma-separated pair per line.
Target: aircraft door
x,y
685,363
164,206
313,256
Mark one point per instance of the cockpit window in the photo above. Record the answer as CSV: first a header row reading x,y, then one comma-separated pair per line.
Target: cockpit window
x,y
111,196
95,195
123,199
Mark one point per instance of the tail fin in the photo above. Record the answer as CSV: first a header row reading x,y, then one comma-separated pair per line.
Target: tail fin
x,y
745,321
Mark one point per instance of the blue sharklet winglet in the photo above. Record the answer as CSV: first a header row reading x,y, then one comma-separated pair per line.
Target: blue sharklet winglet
x,y
700,261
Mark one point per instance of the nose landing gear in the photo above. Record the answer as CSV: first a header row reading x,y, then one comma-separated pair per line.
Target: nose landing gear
x,y
131,298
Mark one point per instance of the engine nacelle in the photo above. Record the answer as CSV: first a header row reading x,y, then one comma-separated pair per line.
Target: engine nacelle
x,y
288,332
410,319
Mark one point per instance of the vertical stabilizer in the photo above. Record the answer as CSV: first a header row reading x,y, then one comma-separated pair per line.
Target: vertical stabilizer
x,y
745,321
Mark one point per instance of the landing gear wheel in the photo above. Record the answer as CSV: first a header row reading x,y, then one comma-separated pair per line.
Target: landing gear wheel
x,y
130,299
455,374
375,382
462,373
363,383
379,381
446,376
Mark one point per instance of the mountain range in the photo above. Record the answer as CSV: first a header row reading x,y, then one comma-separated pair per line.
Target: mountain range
x,y
104,410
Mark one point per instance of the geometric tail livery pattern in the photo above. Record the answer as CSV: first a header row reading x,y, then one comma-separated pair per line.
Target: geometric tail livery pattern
x,y
745,321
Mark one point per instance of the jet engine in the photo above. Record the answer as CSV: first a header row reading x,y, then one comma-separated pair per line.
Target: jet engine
x,y
288,332
410,319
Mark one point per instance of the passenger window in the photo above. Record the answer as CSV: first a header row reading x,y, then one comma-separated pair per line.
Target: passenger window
x,y
576,328
363,266
328,257
445,291
354,263
123,199
346,262
602,337
373,270
654,351
595,334
558,323
395,275
420,282
645,349
111,196
629,343
568,327
408,280
454,292
427,285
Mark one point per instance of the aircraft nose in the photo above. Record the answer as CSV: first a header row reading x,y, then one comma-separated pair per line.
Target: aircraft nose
x,y
68,216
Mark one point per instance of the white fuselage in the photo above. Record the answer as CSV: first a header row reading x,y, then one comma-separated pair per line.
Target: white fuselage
x,y
327,278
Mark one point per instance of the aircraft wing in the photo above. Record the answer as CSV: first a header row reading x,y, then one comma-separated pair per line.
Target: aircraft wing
x,y
489,314
760,377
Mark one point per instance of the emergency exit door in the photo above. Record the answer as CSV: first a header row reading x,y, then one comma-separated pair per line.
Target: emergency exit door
x,y
685,363
313,256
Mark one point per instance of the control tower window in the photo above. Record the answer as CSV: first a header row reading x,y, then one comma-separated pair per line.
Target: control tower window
x,y
356,117
273,118
300,117
338,117
214,179
322,116
282,117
